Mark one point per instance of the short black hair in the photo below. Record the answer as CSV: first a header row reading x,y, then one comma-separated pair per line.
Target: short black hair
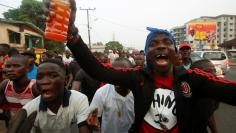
x,y
99,54
12,52
203,65
58,58
20,57
55,61
47,54
122,62
29,53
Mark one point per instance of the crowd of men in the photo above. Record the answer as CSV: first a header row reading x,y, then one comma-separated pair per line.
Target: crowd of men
x,y
159,92
109,104
19,72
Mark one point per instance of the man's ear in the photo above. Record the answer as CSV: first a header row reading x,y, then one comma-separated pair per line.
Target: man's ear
x,y
27,68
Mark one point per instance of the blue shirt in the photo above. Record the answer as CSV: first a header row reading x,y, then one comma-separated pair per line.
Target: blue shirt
x,y
33,73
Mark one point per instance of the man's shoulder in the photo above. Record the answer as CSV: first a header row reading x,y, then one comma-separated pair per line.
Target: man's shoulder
x,y
105,89
33,104
75,95
77,99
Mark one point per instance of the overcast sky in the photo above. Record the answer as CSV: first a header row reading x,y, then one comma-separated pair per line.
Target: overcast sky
x,y
126,20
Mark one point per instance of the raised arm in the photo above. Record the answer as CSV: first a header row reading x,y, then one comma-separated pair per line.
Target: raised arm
x,y
3,85
107,74
213,87
126,78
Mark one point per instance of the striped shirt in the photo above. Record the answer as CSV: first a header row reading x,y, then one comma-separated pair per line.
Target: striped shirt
x,y
17,100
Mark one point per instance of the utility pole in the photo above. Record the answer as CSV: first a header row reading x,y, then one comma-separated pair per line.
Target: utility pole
x,y
87,10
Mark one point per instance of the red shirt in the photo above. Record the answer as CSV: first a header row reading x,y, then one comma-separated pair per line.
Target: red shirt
x,y
165,93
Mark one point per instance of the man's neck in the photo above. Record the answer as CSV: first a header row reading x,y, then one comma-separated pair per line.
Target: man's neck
x,y
21,84
123,92
186,61
55,105
164,73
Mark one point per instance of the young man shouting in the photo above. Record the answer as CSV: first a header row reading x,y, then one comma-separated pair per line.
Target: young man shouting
x,y
163,97
58,110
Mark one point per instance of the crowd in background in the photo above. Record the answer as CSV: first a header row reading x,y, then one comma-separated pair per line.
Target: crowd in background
x,y
76,78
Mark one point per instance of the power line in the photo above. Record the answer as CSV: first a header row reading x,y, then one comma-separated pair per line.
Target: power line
x,y
121,25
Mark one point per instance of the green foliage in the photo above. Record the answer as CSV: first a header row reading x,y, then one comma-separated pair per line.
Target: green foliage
x,y
114,45
54,46
30,11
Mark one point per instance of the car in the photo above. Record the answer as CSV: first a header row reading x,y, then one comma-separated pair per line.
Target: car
x,y
195,57
232,56
218,58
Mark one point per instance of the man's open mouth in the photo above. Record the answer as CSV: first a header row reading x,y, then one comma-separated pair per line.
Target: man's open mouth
x,y
46,93
162,60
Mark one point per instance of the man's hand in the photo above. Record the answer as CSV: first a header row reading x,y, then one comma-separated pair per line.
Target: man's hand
x,y
49,4
174,57
93,121
20,123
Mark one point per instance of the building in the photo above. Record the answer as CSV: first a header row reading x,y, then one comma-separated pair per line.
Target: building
x,y
97,47
201,33
207,32
179,33
21,35
226,28
228,45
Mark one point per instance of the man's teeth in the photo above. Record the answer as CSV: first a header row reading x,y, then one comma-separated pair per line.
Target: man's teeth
x,y
161,55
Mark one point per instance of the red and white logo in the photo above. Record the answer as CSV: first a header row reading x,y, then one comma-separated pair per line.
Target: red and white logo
x,y
186,90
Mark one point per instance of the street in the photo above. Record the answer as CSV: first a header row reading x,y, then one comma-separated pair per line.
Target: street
x,y
226,114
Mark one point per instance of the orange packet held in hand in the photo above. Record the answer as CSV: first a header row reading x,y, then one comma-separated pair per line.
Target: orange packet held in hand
x,y
56,29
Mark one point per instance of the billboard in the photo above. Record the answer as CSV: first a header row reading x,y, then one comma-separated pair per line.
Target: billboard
x,y
202,31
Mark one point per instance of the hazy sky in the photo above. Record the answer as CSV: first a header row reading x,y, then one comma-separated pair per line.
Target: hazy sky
x,y
126,20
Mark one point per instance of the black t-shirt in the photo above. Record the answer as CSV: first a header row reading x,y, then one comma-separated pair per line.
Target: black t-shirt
x,y
88,84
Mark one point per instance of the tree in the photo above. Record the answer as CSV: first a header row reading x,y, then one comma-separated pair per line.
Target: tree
x,y
30,11
114,45
54,46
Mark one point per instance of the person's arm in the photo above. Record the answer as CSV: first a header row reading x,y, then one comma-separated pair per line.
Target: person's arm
x,y
88,62
124,77
209,86
20,123
3,85
23,120
96,108
212,124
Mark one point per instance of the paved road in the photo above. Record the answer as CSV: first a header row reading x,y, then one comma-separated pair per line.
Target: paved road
x,y
226,114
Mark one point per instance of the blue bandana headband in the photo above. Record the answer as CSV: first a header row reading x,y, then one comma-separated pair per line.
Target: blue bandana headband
x,y
153,33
